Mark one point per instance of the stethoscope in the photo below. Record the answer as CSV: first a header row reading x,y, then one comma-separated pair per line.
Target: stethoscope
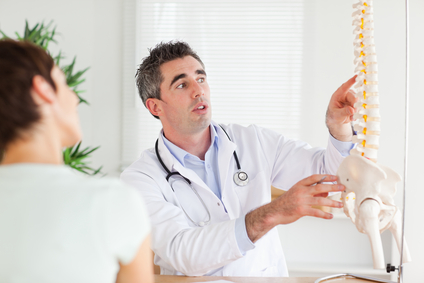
x,y
240,179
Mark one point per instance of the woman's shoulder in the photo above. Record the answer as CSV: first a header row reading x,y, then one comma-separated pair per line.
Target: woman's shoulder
x,y
60,181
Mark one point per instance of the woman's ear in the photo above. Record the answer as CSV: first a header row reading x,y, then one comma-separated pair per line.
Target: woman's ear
x,y
153,105
42,92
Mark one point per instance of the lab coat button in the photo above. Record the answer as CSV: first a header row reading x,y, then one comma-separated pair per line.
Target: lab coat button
x,y
218,204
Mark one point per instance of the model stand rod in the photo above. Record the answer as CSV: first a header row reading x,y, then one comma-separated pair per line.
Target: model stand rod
x,y
400,273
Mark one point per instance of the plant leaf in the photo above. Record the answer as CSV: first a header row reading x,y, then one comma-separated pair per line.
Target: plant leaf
x,y
18,36
76,158
4,35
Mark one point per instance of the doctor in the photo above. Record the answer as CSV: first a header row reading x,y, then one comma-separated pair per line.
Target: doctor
x,y
207,186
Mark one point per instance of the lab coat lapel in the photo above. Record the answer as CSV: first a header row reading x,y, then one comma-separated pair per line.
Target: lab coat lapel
x,y
191,175
227,168
225,155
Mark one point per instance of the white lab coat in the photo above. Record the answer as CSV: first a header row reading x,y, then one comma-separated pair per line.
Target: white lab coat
x,y
183,248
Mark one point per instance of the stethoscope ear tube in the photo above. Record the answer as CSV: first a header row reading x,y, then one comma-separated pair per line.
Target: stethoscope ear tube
x,y
176,173
166,168
160,160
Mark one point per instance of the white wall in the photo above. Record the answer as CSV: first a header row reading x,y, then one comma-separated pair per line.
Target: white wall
x,y
92,30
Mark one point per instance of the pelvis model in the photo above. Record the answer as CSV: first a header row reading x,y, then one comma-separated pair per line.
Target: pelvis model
x,y
370,187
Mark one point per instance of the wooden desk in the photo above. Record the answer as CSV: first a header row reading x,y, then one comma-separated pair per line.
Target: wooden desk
x,y
184,279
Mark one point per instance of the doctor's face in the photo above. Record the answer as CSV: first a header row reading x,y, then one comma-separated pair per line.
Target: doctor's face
x,y
185,97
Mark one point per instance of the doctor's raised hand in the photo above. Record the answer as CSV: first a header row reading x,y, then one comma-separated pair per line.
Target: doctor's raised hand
x,y
340,111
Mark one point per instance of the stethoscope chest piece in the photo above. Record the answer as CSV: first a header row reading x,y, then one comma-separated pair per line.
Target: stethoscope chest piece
x,y
240,178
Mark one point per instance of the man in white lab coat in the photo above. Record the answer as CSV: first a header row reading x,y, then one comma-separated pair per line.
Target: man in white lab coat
x,y
207,186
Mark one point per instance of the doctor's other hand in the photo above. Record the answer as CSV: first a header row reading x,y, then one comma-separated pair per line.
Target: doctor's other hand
x,y
294,204
340,111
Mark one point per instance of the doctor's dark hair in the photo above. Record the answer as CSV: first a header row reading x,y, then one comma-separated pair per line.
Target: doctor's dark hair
x,y
19,63
149,76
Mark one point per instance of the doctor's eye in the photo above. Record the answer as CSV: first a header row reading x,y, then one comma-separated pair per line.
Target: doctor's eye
x,y
181,85
201,80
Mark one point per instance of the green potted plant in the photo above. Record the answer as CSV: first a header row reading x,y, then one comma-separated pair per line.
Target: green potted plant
x,y
43,35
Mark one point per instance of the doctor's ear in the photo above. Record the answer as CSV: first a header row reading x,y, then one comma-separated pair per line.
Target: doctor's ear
x,y
154,106
41,91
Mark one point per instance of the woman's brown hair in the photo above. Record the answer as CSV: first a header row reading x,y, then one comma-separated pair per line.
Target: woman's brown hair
x,y
19,63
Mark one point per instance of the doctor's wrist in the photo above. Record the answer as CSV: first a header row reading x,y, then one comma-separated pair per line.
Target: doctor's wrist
x,y
342,132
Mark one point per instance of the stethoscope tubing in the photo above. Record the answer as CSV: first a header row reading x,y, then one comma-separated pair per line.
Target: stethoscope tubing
x,y
166,168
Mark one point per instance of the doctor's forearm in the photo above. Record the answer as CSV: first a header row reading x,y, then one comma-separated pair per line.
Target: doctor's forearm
x,y
259,222
283,210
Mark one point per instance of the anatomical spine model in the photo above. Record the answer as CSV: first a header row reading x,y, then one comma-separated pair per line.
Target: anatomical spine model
x,y
370,187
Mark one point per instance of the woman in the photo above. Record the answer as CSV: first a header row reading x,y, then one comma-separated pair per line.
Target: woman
x,y
55,225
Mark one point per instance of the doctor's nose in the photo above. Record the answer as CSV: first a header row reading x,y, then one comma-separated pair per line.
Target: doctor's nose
x,y
197,90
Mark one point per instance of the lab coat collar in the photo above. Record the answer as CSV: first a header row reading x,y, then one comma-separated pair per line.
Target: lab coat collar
x,y
180,154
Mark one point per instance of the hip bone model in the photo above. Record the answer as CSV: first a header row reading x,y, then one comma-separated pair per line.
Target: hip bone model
x,y
370,187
